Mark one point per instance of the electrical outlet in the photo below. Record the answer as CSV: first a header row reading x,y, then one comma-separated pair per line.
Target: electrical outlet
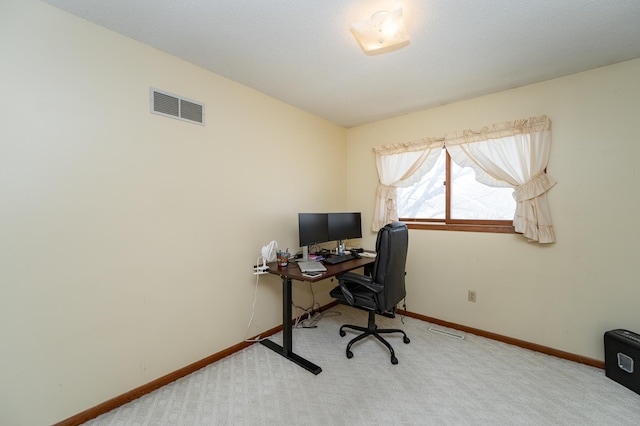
x,y
471,297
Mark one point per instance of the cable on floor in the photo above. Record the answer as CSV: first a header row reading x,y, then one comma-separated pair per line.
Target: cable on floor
x,y
404,309
312,316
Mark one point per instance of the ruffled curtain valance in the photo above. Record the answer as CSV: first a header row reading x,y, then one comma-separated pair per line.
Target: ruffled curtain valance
x,y
500,130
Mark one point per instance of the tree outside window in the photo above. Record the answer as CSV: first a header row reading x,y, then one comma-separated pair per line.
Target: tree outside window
x,y
466,202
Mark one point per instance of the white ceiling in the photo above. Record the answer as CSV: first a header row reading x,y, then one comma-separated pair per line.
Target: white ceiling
x,y
302,52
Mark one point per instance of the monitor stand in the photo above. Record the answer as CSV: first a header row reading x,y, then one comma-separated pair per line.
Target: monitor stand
x,y
305,252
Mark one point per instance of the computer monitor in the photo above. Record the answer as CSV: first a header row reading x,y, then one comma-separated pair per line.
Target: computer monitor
x,y
343,226
312,228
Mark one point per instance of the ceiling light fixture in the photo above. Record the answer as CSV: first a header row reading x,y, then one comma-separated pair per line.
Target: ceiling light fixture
x,y
384,32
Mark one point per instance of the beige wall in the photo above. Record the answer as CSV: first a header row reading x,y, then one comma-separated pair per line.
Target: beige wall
x,y
127,239
564,295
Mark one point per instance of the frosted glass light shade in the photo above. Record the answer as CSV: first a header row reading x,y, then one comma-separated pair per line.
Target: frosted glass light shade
x,y
385,31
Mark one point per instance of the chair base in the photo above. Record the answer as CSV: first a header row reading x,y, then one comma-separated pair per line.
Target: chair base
x,y
373,330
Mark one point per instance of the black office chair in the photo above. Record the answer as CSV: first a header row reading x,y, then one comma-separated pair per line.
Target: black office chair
x,y
382,291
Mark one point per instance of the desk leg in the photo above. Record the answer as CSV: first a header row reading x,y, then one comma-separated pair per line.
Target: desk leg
x,y
286,350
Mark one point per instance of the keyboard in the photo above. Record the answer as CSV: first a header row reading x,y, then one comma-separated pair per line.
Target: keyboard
x,y
338,259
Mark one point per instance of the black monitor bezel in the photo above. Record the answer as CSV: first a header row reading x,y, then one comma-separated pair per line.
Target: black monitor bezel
x,y
313,228
344,226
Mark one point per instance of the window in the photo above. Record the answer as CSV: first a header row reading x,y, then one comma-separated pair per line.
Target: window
x,y
460,200
511,155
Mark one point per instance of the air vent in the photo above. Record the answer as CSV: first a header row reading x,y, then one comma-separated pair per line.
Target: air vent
x,y
170,105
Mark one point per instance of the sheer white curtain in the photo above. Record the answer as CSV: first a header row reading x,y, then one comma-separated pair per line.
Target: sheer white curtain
x,y
400,165
513,154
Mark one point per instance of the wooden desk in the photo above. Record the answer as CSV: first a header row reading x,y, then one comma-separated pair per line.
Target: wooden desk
x,y
292,272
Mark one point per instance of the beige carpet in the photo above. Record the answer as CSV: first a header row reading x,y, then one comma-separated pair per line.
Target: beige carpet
x,y
440,380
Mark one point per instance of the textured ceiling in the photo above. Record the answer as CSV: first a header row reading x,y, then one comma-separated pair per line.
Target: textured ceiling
x,y
302,52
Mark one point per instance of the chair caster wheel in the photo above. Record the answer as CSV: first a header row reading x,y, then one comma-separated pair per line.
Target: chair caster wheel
x,y
394,360
406,339
350,355
342,333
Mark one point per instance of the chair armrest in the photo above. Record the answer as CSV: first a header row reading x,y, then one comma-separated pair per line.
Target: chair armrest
x,y
353,277
363,280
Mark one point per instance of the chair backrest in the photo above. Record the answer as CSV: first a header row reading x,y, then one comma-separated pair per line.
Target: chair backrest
x,y
389,269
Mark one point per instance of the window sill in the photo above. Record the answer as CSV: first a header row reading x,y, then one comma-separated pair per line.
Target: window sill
x,y
433,226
